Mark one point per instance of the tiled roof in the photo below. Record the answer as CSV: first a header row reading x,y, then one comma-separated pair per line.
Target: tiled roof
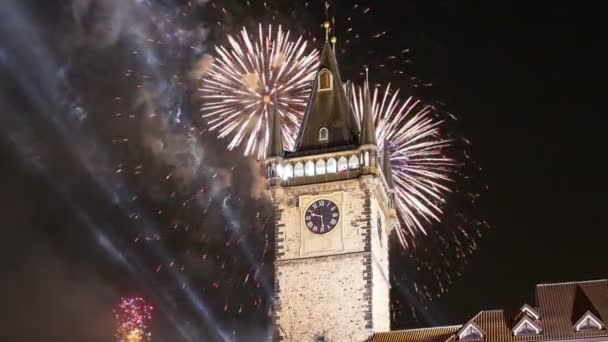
x,y
438,334
560,306
560,303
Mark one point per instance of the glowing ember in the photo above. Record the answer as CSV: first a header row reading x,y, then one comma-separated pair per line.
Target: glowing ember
x,y
132,316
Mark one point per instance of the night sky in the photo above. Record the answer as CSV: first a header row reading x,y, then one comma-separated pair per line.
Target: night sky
x,y
100,202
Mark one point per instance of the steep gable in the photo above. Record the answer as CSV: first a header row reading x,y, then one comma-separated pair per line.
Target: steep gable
x,y
328,109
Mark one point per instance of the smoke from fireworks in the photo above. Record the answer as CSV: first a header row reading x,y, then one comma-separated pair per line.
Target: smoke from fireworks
x,y
132,316
240,87
421,171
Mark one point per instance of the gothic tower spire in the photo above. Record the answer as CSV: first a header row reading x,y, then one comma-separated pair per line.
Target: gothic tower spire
x,y
275,146
329,123
386,165
368,130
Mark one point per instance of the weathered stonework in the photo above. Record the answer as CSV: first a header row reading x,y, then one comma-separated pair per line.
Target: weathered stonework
x,y
335,284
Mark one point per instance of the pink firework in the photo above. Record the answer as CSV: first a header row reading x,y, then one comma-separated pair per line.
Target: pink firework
x,y
132,316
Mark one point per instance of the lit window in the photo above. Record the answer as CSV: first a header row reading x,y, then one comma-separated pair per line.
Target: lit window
x,y
326,80
470,332
309,169
342,164
589,322
299,170
331,165
279,170
526,327
323,134
287,171
320,167
353,162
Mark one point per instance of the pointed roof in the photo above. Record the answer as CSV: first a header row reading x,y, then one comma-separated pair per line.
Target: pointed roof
x,y
470,331
582,305
527,311
524,324
386,165
599,325
368,129
275,146
329,109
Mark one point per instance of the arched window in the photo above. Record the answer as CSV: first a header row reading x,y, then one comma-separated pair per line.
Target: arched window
x,y
353,162
320,167
331,165
323,134
342,164
280,170
309,170
299,170
366,158
287,171
326,80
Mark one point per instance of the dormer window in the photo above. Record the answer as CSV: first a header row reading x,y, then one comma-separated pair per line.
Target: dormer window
x,y
323,134
530,312
526,327
588,322
326,80
470,332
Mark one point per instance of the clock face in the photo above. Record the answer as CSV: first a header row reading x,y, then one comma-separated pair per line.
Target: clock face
x,y
321,216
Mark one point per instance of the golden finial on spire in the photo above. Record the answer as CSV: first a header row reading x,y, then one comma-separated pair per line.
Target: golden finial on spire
x,y
326,23
334,39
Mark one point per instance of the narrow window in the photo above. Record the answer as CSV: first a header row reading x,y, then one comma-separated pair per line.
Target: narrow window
x,y
299,170
309,169
323,134
353,162
288,171
326,80
342,164
331,165
320,167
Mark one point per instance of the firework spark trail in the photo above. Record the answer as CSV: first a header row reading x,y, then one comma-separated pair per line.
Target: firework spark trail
x,y
421,171
240,85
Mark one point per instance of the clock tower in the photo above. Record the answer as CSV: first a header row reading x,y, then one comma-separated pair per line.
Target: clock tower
x,y
334,210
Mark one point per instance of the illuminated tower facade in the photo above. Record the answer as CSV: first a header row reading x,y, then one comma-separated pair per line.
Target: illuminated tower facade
x,y
334,210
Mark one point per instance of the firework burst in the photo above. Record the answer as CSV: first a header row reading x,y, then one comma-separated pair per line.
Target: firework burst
x,y
132,316
420,169
240,86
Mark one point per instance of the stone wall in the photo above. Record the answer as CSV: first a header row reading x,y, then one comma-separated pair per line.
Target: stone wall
x,y
332,284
